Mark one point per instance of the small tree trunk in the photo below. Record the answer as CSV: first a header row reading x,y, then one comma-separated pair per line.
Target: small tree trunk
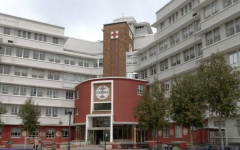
x,y
153,138
191,138
220,131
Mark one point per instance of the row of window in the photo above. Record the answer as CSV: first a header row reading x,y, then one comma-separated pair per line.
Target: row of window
x,y
174,39
28,35
188,54
174,16
34,91
49,111
43,56
39,73
50,133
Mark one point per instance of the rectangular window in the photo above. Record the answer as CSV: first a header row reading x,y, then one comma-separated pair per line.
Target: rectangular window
x,y
50,133
207,11
190,30
178,131
15,132
19,52
237,22
24,34
186,9
44,38
77,111
54,58
102,106
227,3
185,33
29,35
216,35
35,36
164,65
52,93
153,70
162,25
176,15
54,112
37,73
215,124
69,60
55,40
2,49
53,75
167,86
140,89
4,88
209,39
69,94
0,132
77,94
14,110
175,60
200,51
143,56
198,25
26,53
182,12
230,28
214,7
5,69
19,33
68,77
66,111
7,31
40,37
35,54
49,111
9,50
34,134
165,132
233,59
152,51
65,133
144,73
19,90
170,20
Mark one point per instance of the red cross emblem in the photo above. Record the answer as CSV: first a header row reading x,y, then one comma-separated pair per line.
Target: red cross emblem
x,y
114,34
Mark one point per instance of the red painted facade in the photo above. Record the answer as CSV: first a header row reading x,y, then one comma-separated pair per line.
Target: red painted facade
x,y
6,134
124,99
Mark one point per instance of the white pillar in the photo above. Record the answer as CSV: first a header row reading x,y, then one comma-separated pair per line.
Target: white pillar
x,y
111,129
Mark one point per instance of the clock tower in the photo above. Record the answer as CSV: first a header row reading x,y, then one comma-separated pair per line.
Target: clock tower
x,y
118,39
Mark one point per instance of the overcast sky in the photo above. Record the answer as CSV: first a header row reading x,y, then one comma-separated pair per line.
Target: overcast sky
x,y
82,19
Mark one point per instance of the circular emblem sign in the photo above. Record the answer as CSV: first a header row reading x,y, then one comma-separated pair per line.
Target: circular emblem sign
x,y
58,133
160,133
24,133
171,132
185,131
102,92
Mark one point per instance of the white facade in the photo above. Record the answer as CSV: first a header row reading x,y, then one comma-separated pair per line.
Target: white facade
x,y
38,55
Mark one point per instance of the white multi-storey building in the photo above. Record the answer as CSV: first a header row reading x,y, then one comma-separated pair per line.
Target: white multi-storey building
x,y
38,61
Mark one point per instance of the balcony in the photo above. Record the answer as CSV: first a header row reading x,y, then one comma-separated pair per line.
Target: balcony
x,y
226,45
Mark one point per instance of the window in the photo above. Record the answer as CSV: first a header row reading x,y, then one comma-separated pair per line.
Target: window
x,y
36,91
233,59
21,71
14,110
79,78
7,31
176,15
52,93
130,34
153,70
102,106
182,12
69,94
55,40
5,69
186,9
51,112
198,25
207,11
130,48
185,33
143,56
15,132
152,51
20,52
167,86
77,94
66,111
189,54
0,132
7,50
65,133
68,77
77,111
164,65
162,25
50,133
4,88
230,28
227,3
173,17
170,20
37,73
54,58
190,6
209,39
178,131
238,122
24,34
19,33
200,51
83,62
38,55
100,63
174,39
19,90
165,44
144,74
216,35
237,21
176,60
190,30
35,36
214,7
131,60
140,89
69,60
100,121
29,35
165,132
33,134
53,75
215,123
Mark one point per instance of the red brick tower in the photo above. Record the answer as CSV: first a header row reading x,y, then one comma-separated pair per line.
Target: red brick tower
x,y
117,40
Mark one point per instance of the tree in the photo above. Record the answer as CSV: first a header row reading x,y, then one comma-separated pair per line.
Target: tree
x,y
29,113
220,88
152,111
187,106
2,111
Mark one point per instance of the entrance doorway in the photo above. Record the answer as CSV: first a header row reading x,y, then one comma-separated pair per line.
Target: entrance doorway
x,y
98,136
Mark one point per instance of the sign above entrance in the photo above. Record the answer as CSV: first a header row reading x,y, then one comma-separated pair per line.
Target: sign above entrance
x,y
102,92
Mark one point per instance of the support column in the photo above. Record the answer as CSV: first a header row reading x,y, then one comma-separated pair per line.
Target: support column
x,y
134,133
